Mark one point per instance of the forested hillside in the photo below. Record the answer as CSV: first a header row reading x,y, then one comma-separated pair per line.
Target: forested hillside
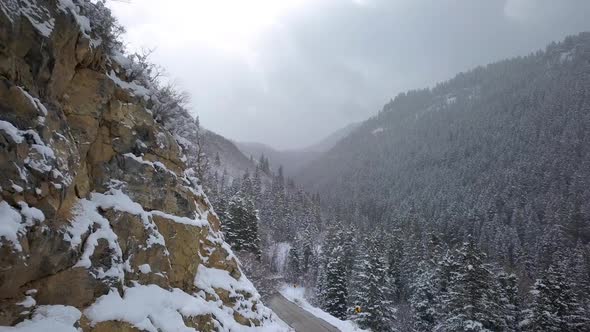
x,y
224,156
504,144
458,208
267,220
476,193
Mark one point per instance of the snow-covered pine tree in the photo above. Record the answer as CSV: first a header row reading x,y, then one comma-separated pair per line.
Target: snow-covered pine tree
x,y
413,253
380,309
335,290
251,234
320,282
240,224
257,187
395,254
510,301
246,186
370,288
358,285
554,306
580,271
230,224
443,274
424,298
220,201
473,301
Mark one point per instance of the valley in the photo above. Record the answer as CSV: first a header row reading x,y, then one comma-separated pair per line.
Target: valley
x,y
459,206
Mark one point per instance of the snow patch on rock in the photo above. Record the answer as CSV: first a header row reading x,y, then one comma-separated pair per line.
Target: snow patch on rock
x,y
15,223
145,268
49,318
152,308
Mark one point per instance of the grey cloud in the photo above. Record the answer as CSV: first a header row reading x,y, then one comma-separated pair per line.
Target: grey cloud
x,y
335,62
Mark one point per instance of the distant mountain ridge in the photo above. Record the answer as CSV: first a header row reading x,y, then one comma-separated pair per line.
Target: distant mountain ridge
x,y
293,160
232,160
331,140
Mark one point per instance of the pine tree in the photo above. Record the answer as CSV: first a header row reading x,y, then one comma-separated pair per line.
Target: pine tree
x,y
305,243
257,187
395,254
473,301
424,298
240,224
246,186
370,288
231,224
580,271
320,283
251,233
335,290
358,285
217,160
264,164
554,306
510,301
381,313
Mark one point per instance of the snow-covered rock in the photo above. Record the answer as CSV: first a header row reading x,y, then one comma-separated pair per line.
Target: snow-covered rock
x,y
103,225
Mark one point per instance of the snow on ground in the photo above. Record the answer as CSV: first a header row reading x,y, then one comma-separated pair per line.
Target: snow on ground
x,y
13,224
41,156
152,308
296,295
49,318
133,87
83,21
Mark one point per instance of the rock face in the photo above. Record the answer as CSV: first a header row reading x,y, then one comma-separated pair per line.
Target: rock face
x,y
101,225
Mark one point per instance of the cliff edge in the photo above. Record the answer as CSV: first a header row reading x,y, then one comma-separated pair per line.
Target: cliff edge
x,y
103,225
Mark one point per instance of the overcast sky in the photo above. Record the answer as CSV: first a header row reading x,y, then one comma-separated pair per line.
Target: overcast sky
x,y
289,72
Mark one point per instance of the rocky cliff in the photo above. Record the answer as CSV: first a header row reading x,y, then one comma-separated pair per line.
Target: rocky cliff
x,y
103,226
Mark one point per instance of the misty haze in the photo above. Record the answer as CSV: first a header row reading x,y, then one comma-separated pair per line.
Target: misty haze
x,y
294,165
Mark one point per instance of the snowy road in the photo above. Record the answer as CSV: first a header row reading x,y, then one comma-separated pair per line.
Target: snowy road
x,y
298,318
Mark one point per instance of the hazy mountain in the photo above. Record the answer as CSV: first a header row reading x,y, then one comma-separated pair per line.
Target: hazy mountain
x,y
295,159
331,140
231,158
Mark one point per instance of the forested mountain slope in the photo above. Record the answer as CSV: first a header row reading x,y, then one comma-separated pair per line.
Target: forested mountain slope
x,y
473,196
291,160
331,140
224,156
506,144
